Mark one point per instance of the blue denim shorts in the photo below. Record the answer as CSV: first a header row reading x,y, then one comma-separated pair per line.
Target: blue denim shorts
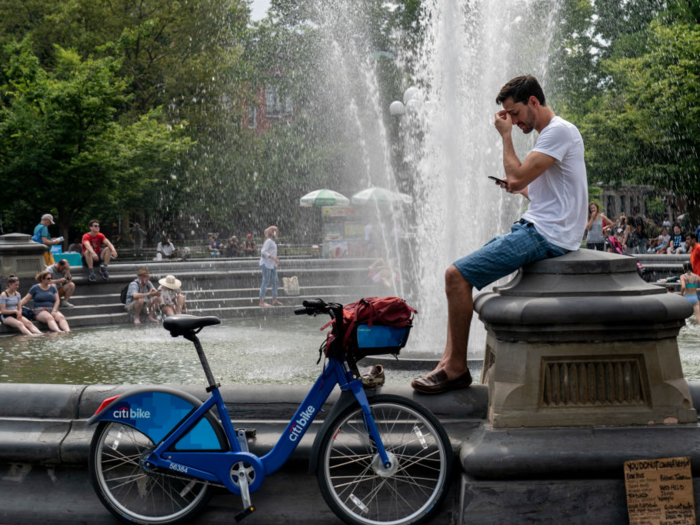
x,y
505,254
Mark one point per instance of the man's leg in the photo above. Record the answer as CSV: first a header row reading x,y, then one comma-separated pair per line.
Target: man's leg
x,y
153,304
460,308
137,306
68,289
105,257
89,261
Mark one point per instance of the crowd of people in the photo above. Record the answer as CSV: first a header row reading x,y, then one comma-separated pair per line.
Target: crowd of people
x,y
627,235
635,234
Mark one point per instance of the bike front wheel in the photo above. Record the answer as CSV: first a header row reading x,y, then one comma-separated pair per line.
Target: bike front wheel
x,y
353,480
132,493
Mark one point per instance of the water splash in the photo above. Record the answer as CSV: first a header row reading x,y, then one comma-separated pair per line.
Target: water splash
x,y
471,48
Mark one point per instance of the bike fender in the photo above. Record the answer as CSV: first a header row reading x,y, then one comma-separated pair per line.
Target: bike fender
x,y
346,399
157,411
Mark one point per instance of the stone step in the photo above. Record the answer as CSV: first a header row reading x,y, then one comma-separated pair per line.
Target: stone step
x,y
231,293
209,305
241,308
166,267
207,280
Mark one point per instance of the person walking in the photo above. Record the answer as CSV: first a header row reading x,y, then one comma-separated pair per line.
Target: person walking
x,y
46,302
10,310
553,178
268,264
689,288
594,228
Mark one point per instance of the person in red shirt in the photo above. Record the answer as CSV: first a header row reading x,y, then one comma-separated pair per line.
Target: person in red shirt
x,y
93,252
694,251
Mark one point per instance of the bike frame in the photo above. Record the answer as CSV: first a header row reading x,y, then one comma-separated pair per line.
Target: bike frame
x,y
215,466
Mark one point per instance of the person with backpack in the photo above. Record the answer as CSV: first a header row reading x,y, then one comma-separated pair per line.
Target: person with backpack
x,y
140,294
553,178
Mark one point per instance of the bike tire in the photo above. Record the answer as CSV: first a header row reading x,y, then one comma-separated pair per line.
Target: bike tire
x,y
132,494
355,485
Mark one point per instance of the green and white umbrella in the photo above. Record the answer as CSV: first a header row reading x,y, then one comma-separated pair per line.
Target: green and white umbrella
x,y
380,196
323,198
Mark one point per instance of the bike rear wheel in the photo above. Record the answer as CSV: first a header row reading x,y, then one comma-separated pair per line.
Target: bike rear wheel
x,y
355,484
132,493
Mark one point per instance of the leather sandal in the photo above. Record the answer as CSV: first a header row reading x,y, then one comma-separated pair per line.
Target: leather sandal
x,y
437,382
373,376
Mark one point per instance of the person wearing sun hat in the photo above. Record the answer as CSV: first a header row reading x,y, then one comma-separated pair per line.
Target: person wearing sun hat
x,y
171,296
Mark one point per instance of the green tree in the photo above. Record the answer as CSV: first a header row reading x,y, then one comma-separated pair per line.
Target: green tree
x,y
61,144
645,127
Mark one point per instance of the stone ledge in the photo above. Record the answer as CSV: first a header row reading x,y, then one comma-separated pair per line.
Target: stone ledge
x,y
596,452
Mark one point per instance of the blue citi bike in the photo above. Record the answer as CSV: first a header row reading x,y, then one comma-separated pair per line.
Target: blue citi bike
x,y
158,453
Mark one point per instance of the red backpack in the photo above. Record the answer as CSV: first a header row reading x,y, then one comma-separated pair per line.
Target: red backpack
x,y
382,311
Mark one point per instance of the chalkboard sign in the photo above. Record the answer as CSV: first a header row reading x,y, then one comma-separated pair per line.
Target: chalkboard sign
x,y
660,492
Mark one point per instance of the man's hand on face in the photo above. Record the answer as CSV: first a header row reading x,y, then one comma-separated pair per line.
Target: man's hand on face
x,y
503,122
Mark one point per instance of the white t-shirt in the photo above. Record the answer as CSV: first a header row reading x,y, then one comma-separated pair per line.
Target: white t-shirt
x,y
559,197
269,249
166,249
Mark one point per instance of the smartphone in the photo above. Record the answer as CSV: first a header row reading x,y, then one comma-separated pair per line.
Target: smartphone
x,y
502,181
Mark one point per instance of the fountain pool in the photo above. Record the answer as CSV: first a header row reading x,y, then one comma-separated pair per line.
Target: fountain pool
x,y
273,351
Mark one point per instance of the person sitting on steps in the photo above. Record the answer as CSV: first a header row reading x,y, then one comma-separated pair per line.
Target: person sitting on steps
x,y
62,279
171,297
141,295
93,252
553,178
46,302
11,312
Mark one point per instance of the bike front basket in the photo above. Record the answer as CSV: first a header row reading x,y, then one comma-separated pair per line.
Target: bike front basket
x,y
379,339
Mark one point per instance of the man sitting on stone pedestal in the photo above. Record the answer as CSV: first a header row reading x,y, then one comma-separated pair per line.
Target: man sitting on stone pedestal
x,y
553,178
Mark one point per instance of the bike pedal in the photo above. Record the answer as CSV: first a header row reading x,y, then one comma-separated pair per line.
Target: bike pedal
x,y
249,432
244,513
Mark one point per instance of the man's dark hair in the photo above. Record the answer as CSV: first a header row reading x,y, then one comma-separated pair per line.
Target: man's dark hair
x,y
93,221
521,89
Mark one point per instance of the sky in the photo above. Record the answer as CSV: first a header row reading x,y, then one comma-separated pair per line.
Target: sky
x,y
259,9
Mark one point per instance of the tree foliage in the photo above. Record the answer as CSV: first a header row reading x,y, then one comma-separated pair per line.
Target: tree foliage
x,y
61,144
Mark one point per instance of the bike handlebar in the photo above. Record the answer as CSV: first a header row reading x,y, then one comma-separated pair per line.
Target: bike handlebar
x,y
317,306
314,303
303,311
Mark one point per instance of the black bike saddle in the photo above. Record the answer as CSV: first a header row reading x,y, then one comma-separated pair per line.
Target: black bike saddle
x,y
183,324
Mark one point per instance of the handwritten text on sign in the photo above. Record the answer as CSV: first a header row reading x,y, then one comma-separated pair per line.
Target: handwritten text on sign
x,y
660,492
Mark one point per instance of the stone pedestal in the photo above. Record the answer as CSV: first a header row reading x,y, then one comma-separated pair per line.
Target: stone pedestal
x,y
21,256
581,340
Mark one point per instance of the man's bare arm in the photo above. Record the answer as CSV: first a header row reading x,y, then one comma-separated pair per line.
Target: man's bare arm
x,y
519,174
